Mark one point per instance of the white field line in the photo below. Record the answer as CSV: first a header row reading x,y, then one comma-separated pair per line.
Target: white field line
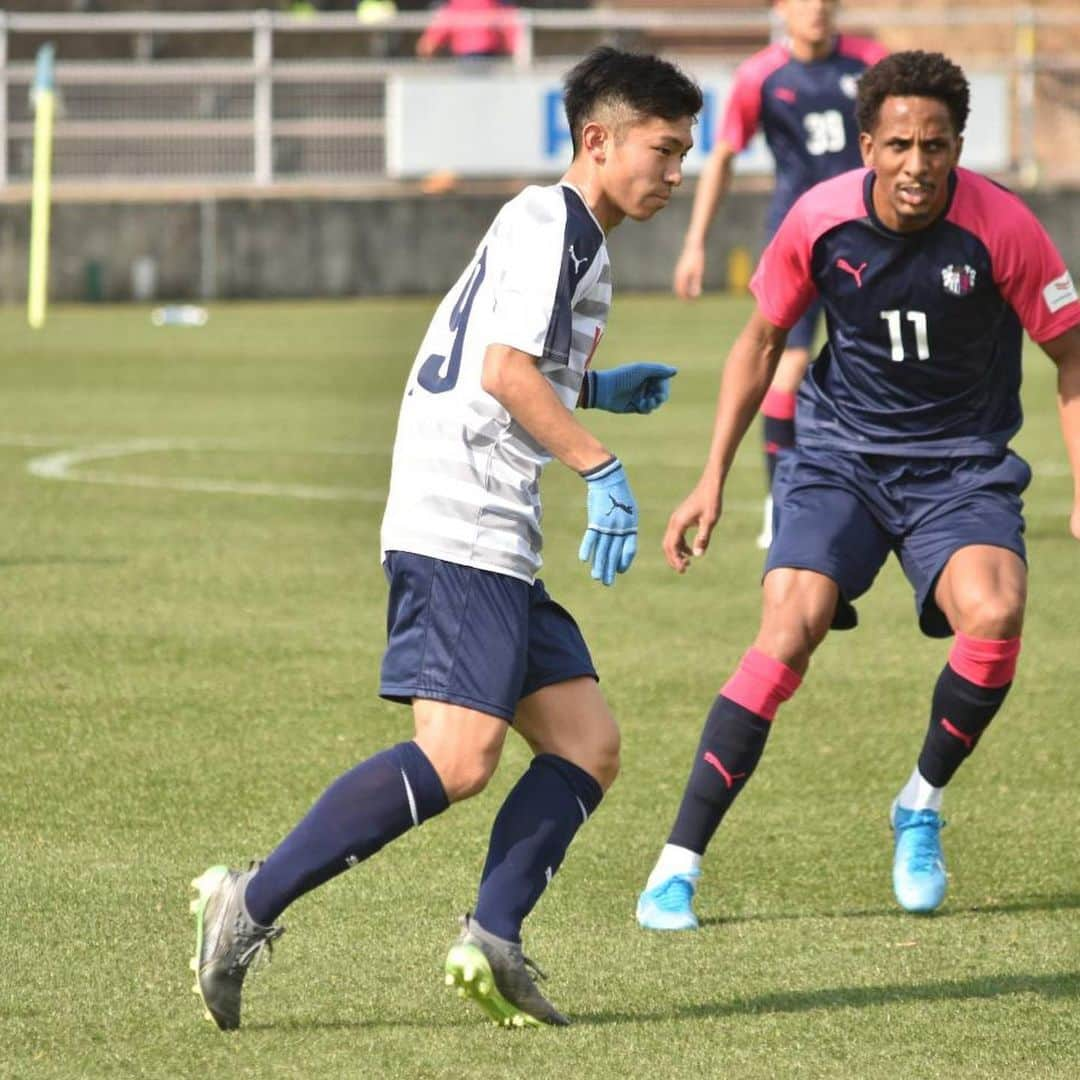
x,y
62,465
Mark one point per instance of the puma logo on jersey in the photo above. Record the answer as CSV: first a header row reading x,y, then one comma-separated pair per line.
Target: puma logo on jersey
x,y
577,262
856,273
784,93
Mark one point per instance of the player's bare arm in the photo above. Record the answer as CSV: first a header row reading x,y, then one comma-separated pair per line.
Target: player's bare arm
x,y
511,377
712,187
748,372
1065,352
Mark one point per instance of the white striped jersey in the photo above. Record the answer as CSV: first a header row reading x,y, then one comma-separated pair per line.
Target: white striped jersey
x,y
465,483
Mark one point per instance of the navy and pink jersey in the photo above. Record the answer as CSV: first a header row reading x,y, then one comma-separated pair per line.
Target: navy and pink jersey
x,y
806,110
925,327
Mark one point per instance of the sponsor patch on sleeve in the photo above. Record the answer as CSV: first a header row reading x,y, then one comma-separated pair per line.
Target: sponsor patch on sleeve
x,y
1059,292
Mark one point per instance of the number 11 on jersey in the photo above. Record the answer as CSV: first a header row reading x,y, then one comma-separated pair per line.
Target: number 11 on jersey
x,y
896,339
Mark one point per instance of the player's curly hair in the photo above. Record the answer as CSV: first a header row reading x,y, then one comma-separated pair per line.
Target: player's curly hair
x,y
644,84
913,74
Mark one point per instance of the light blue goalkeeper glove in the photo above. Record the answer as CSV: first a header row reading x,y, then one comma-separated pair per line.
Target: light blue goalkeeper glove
x,y
632,388
610,541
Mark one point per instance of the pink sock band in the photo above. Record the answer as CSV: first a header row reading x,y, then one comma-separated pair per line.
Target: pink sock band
x,y
984,663
779,404
761,684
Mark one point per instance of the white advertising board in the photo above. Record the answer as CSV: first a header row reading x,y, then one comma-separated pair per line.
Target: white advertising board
x,y
488,124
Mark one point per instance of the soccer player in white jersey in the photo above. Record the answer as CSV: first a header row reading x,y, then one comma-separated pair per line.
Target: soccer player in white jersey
x,y
475,642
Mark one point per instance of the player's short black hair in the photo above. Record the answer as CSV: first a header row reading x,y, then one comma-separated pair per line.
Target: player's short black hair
x,y
643,83
913,74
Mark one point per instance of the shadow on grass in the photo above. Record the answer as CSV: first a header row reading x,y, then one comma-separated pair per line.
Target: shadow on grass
x,y
1004,906
314,1023
1066,985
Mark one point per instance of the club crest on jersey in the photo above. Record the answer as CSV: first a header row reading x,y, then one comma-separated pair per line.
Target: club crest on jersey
x,y
849,85
958,280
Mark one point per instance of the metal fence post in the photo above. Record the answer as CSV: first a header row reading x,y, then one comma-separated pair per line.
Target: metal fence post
x,y
3,100
1028,160
524,46
263,45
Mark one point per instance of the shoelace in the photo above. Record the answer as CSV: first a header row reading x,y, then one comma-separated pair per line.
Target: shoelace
x,y
925,848
254,945
676,894
533,968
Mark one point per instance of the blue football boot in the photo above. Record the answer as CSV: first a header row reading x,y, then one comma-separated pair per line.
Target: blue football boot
x,y
668,906
919,878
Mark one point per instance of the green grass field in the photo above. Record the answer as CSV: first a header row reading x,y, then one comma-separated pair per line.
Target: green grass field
x,y
192,623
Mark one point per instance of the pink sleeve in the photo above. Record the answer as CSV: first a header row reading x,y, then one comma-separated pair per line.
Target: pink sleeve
x,y
744,105
782,284
438,31
1028,270
867,50
743,110
1034,279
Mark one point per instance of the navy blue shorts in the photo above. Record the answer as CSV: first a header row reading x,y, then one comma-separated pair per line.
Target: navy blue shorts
x,y
474,638
801,335
841,515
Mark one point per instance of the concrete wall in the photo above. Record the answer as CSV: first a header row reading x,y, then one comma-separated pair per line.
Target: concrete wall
x,y
246,247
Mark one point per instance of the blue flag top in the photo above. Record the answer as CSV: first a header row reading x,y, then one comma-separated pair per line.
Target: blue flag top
x,y
44,77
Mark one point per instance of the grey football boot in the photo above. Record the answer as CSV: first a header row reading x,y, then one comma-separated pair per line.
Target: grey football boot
x,y
499,978
226,942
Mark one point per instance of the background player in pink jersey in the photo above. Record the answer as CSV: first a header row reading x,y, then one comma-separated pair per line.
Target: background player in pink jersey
x,y
930,274
800,93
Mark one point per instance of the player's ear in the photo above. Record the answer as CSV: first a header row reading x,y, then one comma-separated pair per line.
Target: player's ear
x,y
866,148
959,147
595,140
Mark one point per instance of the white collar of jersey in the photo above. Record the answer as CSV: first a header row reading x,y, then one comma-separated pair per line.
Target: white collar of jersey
x,y
577,191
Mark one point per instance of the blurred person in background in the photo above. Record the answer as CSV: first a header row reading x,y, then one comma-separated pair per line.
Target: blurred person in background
x,y
801,93
459,27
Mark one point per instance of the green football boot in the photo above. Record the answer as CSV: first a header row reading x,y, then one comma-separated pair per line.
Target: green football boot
x,y
499,978
226,942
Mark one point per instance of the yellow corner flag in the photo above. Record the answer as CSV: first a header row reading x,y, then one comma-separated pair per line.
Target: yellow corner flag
x,y
44,110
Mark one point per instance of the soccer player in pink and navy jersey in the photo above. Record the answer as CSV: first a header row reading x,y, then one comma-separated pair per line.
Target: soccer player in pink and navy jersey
x,y
929,274
801,93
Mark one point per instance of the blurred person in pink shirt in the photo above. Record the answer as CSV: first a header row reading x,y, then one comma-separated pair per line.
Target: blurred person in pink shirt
x,y
457,25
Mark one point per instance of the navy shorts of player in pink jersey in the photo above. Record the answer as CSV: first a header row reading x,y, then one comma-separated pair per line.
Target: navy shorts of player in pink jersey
x,y
905,417
842,514
474,638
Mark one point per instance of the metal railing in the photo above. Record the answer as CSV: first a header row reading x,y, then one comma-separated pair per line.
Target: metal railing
x,y
296,99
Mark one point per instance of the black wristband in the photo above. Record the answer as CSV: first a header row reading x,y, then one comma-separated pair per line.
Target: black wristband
x,y
605,467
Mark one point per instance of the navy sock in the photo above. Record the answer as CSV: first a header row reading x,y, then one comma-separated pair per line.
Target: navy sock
x,y
779,435
960,712
530,836
729,750
354,817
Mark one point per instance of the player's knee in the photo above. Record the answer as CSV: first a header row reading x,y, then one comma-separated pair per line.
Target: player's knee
x,y
463,768
465,778
797,611
596,750
606,760
792,640
993,616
